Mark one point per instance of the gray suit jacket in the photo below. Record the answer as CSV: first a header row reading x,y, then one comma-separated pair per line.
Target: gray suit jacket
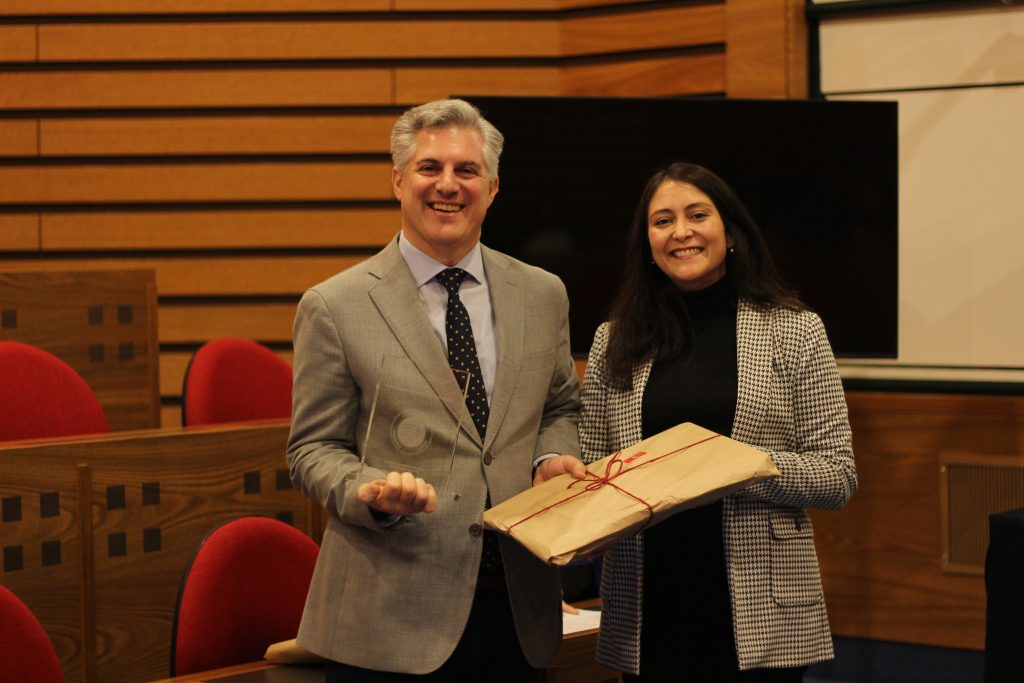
x,y
397,598
790,403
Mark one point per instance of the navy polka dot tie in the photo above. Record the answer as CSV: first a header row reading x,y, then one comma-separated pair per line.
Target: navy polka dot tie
x,y
462,356
462,347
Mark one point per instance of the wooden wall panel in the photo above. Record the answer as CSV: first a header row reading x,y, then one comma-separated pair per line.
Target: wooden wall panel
x,y
173,365
172,88
200,135
687,75
170,414
51,589
766,48
213,275
414,84
407,5
881,556
19,232
19,138
101,323
224,229
196,323
195,182
17,43
324,39
118,7
644,30
202,483
466,5
172,373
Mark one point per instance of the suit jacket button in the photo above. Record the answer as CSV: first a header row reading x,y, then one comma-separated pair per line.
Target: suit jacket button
x,y
487,458
475,529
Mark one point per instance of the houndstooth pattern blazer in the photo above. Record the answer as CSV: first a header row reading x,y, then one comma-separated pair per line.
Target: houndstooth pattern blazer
x,y
789,403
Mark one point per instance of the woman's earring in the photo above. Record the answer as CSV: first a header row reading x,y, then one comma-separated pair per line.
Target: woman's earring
x,y
732,250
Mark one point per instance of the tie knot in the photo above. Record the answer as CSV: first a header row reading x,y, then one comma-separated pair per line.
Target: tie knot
x,y
452,279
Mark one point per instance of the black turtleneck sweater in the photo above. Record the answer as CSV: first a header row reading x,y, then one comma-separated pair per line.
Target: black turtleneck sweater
x,y
687,619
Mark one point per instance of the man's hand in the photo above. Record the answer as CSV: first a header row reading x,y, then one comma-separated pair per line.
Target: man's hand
x,y
560,464
399,494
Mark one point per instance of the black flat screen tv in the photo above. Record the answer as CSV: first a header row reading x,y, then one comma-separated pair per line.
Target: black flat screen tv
x,y
819,177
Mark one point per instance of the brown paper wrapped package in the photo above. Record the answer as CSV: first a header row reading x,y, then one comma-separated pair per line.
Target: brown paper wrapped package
x,y
566,519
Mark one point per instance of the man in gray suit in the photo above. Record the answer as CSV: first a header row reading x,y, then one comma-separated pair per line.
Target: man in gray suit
x,y
432,380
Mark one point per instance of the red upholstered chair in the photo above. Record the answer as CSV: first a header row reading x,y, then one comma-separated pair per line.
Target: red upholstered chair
x,y
243,589
234,380
42,396
26,653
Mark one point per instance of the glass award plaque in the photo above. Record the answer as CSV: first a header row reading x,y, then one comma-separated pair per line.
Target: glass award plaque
x,y
408,428
462,378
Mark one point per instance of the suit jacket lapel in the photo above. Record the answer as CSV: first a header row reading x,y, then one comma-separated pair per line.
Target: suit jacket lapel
x,y
626,409
507,304
754,354
399,304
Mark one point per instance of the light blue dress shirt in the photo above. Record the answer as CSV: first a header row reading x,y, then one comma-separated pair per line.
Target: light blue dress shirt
x,y
475,295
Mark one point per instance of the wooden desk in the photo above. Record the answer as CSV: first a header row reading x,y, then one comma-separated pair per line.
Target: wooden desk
x,y
574,664
100,322
96,532
254,672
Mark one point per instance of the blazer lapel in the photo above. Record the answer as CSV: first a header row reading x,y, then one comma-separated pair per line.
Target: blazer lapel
x,y
507,303
399,304
754,354
627,409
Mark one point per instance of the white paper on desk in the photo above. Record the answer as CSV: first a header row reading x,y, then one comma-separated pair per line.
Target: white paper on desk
x,y
586,620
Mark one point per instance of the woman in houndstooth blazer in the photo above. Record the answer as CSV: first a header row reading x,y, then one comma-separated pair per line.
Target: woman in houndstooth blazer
x,y
703,331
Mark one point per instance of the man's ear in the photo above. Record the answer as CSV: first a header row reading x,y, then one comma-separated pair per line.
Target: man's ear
x,y
492,191
396,183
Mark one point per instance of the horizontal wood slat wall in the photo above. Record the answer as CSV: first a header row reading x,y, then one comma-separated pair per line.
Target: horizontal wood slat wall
x,y
167,229
193,182
214,275
19,232
168,135
240,147
117,7
194,323
201,87
264,40
173,365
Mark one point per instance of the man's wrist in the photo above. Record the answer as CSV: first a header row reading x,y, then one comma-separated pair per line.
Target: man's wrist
x,y
539,460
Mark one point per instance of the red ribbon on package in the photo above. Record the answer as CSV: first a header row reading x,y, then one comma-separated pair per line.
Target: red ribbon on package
x,y
595,482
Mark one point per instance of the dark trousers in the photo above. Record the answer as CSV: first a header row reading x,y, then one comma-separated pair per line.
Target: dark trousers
x,y
487,652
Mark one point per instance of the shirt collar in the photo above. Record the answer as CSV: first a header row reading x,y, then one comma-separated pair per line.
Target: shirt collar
x,y
424,267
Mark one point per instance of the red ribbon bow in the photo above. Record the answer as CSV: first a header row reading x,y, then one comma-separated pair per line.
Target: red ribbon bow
x,y
613,469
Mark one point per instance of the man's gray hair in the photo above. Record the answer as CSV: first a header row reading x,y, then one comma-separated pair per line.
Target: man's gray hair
x,y
444,114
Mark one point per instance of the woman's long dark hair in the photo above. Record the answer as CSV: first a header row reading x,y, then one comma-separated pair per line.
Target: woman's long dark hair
x,y
649,320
